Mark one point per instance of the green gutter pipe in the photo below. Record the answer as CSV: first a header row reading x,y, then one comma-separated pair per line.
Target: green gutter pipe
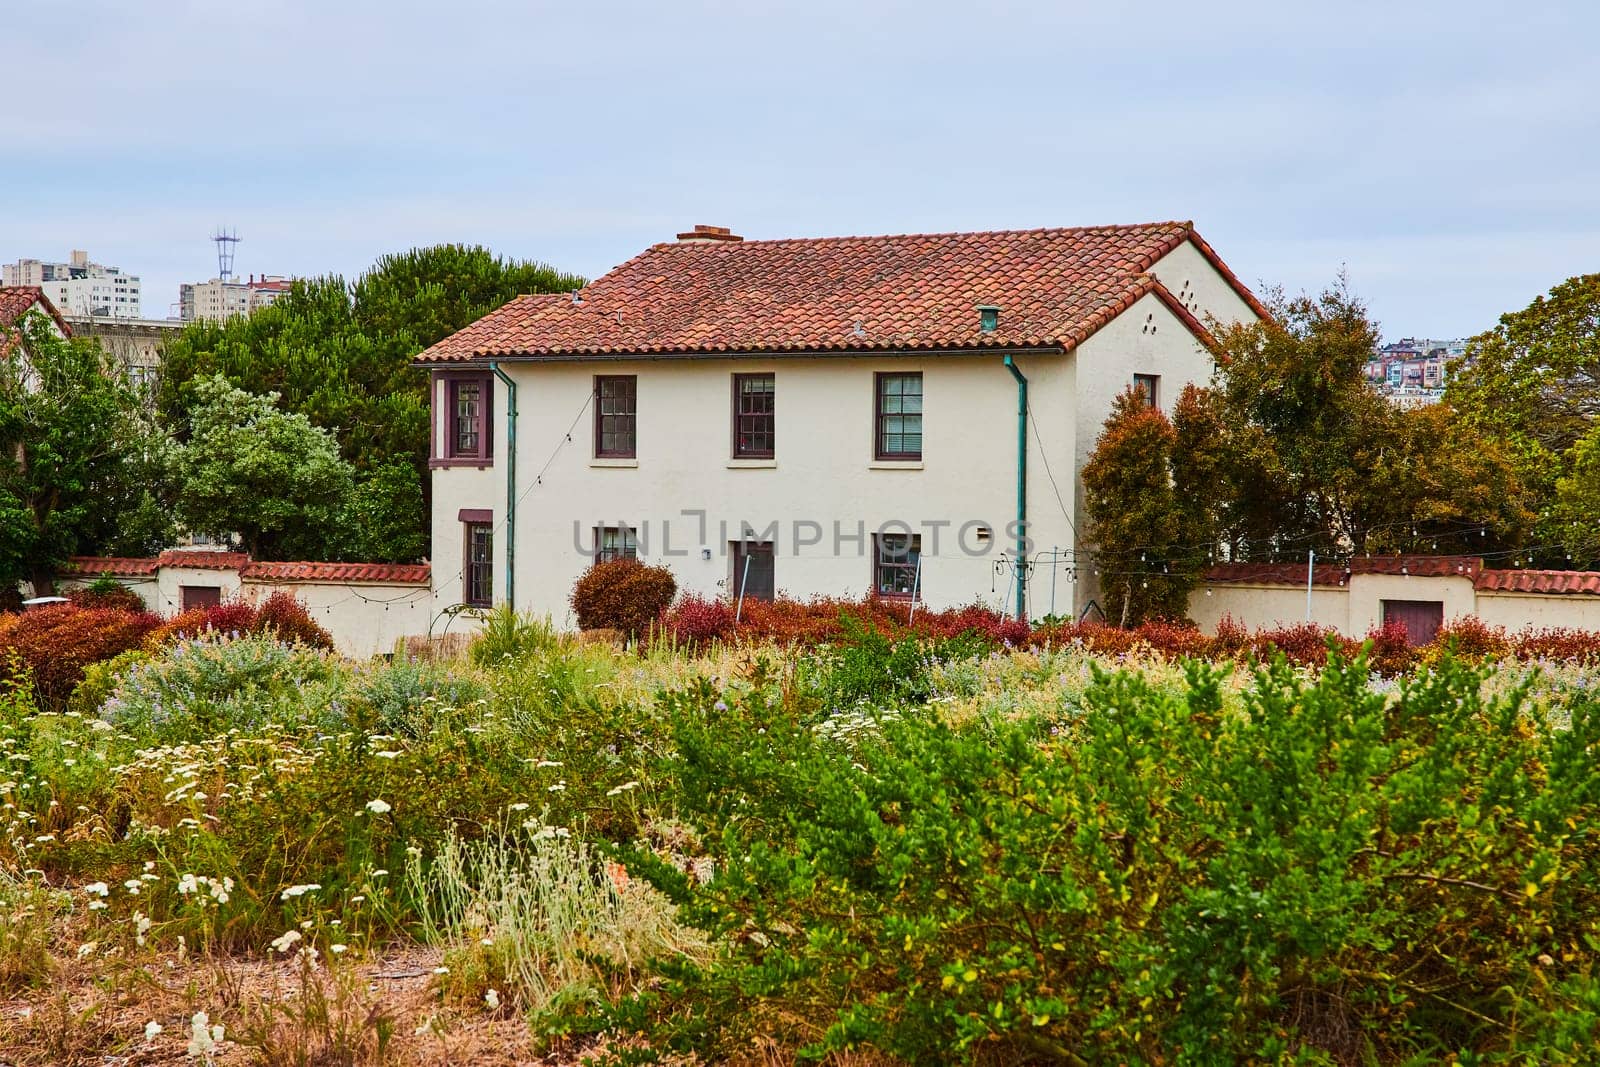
x,y
1022,485
511,483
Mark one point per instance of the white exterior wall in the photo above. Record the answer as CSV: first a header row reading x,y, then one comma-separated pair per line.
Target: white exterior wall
x,y
363,618
824,473
1200,286
1258,607
1517,610
1357,609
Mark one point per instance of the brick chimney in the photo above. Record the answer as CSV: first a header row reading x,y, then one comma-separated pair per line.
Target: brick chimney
x,y
710,233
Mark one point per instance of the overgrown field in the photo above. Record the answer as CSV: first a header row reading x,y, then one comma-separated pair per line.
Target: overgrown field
x,y
869,847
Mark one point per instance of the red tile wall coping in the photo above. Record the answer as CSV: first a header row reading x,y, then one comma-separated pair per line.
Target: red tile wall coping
x,y
1547,583
250,570
912,292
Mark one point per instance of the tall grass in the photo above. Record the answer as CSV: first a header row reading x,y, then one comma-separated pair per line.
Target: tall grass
x,y
537,916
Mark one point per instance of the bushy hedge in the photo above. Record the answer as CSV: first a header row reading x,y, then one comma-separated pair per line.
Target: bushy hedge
x,y
280,614
696,621
1323,875
55,643
623,595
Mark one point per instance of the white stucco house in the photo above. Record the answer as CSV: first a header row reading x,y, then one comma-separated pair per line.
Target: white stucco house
x,y
904,416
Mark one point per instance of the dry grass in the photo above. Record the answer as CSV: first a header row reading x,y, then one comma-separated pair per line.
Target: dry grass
x,y
273,1013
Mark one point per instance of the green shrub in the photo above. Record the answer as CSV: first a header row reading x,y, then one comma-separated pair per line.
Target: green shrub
x,y
404,696
1326,874
622,594
509,635
207,686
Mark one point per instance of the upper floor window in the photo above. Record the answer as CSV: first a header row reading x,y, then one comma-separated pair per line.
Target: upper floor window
x,y
1148,385
467,434
616,416
898,408
754,416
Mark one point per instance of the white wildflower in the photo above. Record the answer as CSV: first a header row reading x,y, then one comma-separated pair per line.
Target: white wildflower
x,y
378,807
285,941
623,788
337,949
188,884
491,1000
99,889
298,891
151,1029
87,948
203,1036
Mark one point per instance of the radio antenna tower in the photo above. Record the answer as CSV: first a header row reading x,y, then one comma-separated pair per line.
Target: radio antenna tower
x,y
225,240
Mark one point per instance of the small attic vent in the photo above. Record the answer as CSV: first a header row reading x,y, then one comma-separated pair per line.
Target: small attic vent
x,y
988,318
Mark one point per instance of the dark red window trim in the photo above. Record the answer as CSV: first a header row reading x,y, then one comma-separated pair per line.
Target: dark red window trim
x,y
747,424
879,415
484,573
913,548
444,390
631,415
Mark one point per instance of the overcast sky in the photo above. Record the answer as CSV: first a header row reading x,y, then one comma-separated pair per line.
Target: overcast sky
x,y
1447,154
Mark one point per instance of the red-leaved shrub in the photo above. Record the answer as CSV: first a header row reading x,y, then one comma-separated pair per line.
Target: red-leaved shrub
x,y
1390,651
622,594
55,643
285,616
280,614
1471,639
1557,643
1304,644
106,593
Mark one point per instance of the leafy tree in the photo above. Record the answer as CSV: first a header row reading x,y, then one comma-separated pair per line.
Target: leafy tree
x,y
1576,509
340,353
1136,521
78,456
1533,384
269,476
385,519
1315,460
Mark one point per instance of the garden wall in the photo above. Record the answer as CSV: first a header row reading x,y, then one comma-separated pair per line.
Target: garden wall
x,y
1351,598
366,607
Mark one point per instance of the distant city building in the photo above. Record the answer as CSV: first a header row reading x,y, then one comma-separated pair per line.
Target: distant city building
x,y
79,287
223,298
1413,371
135,344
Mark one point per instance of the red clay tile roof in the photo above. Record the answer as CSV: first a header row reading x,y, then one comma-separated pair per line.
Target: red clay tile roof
x,y
915,292
1275,574
1546,583
410,573
1549,583
203,559
15,302
1418,566
118,566
250,570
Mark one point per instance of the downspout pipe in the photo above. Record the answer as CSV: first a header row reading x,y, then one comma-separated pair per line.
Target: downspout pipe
x,y
511,482
1022,486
